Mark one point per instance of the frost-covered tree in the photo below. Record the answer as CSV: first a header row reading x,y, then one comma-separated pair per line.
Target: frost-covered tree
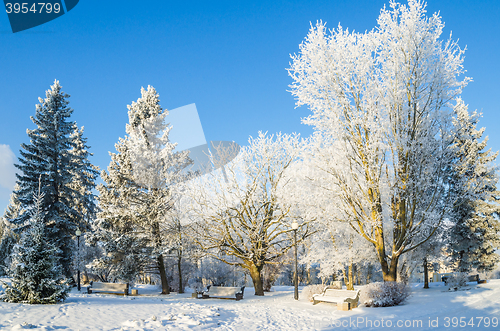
x,y
48,158
137,195
8,237
337,248
7,242
474,236
379,103
181,246
84,176
14,209
241,211
36,273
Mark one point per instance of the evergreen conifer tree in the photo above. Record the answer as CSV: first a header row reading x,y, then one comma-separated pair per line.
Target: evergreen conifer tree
x,y
137,193
84,175
14,209
473,238
35,272
8,238
7,241
125,253
56,156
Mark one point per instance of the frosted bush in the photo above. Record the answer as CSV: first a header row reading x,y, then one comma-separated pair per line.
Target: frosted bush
x,y
457,281
311,290
384,294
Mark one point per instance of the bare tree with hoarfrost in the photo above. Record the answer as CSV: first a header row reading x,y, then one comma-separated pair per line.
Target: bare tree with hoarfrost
x,y
336,247
380,105
241,210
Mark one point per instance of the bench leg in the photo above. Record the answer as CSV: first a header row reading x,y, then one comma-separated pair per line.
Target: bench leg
x,y
344,306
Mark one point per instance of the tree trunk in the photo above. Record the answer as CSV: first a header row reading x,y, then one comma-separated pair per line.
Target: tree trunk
x,y
357,276
163,276
392,273
426,274
389,272
179,264
350,275
255,273
369,272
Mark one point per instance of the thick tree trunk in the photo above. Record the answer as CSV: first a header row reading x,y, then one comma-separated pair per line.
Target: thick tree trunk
x,y
255,273
179,265
350,276
163,276
391,275
426,273
389,272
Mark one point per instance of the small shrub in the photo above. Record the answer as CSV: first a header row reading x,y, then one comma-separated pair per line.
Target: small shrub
x,y
384,294
311,290
457,280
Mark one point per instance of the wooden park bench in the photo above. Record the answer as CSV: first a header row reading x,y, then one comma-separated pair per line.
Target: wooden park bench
x,y
345,299
223,292
115,288
470,278
473,278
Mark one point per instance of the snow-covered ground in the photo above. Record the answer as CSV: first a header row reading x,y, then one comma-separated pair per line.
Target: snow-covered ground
x,y
477,308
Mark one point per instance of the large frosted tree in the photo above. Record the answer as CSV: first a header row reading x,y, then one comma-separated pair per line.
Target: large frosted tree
x,y
137,195
380,109
49,159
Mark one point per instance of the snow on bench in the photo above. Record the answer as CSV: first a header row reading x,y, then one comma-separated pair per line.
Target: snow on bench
x,y
223,292
117,288
345,299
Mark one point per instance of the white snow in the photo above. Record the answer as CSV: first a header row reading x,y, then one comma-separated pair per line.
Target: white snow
x,y
276,311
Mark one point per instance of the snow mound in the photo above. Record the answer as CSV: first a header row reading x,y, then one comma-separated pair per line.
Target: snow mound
x,y
178,316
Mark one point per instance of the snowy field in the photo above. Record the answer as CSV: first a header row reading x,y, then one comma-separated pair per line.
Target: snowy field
x,y
477,308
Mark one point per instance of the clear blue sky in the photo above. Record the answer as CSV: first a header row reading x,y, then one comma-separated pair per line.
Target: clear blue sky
x,y
228,57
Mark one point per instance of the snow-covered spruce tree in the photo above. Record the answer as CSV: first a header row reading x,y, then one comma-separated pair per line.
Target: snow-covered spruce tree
x,y
7,242
137,195
84,176
379,103
48,158
36,274
8,238
14,209
124,252
474,236
241,213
